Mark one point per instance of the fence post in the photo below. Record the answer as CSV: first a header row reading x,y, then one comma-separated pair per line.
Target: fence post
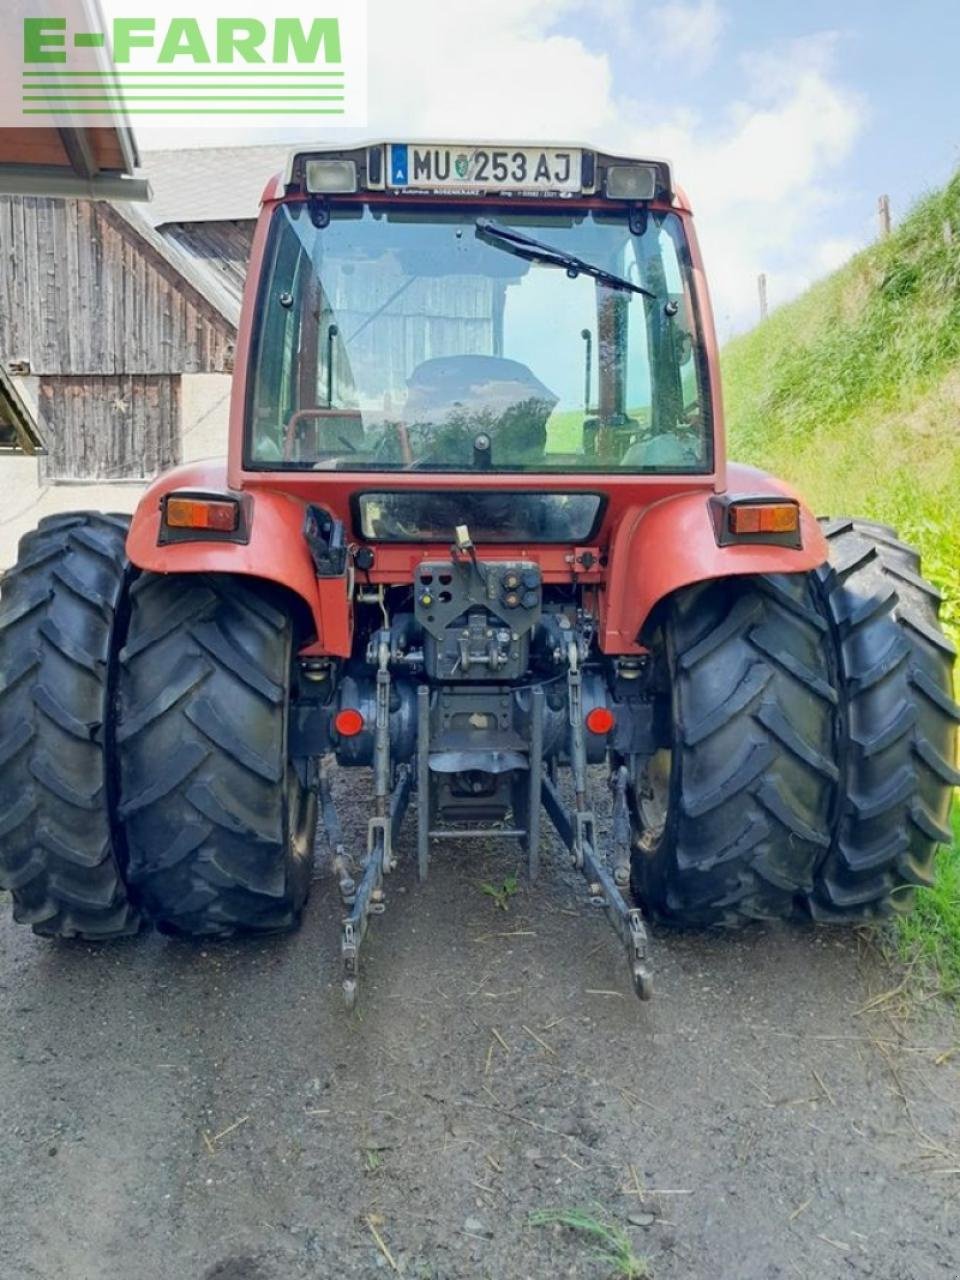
x,y
762,291
883,216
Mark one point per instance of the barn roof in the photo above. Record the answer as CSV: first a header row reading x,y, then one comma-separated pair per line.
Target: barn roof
x,y
204,280
209,184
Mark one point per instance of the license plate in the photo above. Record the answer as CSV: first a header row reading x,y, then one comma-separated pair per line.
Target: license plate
x,y
439,168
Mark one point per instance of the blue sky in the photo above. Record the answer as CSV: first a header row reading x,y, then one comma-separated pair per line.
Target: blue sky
x,y
785,121
895,63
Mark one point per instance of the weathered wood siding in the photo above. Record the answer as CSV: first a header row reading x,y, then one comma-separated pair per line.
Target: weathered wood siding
x,y
111,428
222,247
81,293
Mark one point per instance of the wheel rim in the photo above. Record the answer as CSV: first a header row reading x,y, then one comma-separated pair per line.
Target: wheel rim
x,y
653,799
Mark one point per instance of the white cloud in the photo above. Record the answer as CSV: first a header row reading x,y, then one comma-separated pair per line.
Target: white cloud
x,y
491,69
762,174
686,31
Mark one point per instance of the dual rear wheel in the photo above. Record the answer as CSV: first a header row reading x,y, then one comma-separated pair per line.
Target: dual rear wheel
x,y
144,770
814,742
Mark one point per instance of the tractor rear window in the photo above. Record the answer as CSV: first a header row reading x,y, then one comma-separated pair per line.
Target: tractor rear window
x,y
491,516
399,339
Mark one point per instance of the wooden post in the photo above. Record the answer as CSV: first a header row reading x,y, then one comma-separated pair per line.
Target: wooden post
x,y
762,291
947,231
883,216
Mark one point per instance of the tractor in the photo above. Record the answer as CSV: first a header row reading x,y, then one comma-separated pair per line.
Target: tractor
x,y
477,534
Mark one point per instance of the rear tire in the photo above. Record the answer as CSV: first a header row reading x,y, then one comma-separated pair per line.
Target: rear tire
x,y
62,606
218,822
741,814
900,724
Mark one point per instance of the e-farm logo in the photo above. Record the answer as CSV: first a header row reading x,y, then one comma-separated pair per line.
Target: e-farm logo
x,y
183,69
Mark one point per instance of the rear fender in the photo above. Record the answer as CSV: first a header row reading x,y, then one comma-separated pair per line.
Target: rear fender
x,y
658,549
276,550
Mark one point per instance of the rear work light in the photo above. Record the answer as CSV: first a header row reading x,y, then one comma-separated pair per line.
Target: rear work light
x,y
330,177
764,517
631,181
216,514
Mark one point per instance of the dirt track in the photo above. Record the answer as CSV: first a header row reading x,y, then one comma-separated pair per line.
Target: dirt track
x,y
772,1129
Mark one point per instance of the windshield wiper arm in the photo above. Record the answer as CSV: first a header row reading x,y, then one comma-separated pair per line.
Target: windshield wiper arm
x,y
536,251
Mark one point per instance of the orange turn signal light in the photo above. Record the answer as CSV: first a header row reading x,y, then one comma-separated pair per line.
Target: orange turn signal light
x,y
764,517
348,722
222,516
600,720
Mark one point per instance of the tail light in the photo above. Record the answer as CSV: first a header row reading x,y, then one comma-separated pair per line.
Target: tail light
x,y
190,515
760,518
600,720
764,517
348,722
217,514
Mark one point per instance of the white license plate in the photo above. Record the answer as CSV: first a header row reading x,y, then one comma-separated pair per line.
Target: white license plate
x,y
437,168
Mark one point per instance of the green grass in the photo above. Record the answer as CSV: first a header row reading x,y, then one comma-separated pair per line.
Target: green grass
x,y
501,893
852,393
932,933
612,1246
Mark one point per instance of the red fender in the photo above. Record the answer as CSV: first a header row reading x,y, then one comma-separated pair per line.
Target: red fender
x,y
276,551
657,549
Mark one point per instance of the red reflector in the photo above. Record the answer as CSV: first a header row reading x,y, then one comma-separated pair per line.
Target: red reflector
x,y
201,513
600,720
765,517
348,722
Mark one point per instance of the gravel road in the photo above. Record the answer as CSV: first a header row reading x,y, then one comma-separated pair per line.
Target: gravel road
x,y
211,1112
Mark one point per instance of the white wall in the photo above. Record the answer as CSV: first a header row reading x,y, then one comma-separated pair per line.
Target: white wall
x,y
204,410
23,501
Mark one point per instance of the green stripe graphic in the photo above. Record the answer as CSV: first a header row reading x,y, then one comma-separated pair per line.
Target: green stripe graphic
x,y
183,97
187,111
49,72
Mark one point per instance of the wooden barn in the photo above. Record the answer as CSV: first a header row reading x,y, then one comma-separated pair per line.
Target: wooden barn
x,y
100,320
117,330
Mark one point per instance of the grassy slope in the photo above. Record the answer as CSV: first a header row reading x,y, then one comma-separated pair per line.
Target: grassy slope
x,y
853,394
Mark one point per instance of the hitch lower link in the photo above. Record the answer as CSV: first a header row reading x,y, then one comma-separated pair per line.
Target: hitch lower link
x,y
365,897
578,831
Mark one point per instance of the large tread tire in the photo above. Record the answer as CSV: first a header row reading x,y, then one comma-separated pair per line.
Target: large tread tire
x,y
899,723
219,825
61,608
752,776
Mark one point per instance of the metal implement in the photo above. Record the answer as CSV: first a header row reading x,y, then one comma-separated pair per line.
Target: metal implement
x,y
368,898
627,921
390,806
466,793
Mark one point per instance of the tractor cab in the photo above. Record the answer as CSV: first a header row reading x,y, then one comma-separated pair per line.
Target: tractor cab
x,y
462,308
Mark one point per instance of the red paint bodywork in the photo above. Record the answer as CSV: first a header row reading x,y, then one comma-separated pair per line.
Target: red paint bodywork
x,y
657,533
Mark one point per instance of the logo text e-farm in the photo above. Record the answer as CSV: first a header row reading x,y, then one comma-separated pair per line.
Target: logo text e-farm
x,y
298,63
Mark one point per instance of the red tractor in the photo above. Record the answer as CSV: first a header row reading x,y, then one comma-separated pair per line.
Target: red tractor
x,y
476,532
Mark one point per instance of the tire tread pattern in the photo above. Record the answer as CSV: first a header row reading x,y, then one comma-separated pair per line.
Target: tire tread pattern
x,y
207,794
754,777
900,724
61,606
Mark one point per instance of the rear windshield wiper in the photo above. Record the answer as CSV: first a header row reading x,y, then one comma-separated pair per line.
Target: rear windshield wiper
x,y
536,251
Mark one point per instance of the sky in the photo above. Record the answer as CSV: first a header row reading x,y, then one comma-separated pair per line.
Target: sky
x,y
784,121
